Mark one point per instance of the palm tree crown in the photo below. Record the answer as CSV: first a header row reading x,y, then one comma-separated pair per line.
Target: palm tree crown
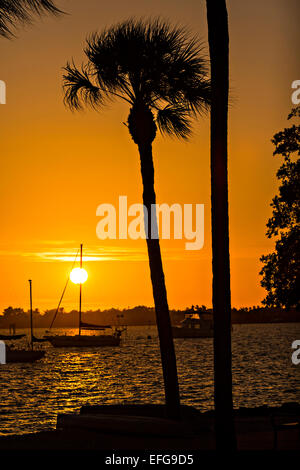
x,y
12,11
147,64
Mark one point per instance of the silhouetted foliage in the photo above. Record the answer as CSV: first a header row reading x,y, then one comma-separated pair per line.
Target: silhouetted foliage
x,y
22,11
11,312
281,271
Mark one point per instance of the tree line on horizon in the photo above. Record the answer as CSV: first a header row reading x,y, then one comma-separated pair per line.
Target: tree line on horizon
x,y
140,314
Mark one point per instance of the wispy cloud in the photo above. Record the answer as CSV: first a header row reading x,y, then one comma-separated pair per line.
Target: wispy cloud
x,y
90,255
66,251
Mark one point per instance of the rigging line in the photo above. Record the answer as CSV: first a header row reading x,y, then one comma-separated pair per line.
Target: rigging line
x,y
63,293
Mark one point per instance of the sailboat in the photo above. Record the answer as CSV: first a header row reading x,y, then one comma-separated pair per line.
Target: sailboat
x,y
29,354
85,341
11,337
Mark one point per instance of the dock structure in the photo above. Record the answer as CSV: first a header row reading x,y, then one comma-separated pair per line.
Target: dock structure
x,y
141,427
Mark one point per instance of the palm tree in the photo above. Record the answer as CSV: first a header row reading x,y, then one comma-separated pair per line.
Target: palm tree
x,y
14,11
218,38
159,72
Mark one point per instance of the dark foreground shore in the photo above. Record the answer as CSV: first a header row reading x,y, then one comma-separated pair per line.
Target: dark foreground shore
x,y
141,427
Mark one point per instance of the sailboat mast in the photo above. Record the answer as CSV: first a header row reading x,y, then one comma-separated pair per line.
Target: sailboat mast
x,y
31,332
80,291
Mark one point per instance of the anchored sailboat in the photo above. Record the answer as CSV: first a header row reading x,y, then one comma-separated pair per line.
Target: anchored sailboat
x,y
11,337
29,354
80,340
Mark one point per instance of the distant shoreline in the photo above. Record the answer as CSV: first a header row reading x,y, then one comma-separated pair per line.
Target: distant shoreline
x,y
154,324
139,316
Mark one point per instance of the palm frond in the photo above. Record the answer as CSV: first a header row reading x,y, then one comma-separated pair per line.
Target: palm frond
x,y
197,96
174,120
116,55
79,88
22,11
179,69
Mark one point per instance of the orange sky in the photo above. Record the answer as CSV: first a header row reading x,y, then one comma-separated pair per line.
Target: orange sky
x,y
57,167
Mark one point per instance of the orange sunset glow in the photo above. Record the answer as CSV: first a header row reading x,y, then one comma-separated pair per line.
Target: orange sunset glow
x,y
57,166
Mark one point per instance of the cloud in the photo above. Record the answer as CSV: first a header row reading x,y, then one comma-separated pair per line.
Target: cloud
x,y
92,254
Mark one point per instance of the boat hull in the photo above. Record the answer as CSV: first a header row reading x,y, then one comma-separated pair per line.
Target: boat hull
x,y
23,355
183,332
11,337
83,341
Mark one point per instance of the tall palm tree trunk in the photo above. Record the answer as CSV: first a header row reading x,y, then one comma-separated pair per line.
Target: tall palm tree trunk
x,y
159,288
142,129
219,55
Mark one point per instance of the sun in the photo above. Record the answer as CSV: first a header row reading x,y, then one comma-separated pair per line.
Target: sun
x,y
78,275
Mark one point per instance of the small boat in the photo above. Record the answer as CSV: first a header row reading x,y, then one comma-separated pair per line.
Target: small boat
x,y
80,340
39,340
22,354
11,337
85,341
194,326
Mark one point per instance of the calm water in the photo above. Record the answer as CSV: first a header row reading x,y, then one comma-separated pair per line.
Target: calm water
x,y
31,395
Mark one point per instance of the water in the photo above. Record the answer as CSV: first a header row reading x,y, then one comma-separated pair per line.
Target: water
x,y
31,395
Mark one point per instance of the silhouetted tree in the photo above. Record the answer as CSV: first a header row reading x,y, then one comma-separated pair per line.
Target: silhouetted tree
x,y
159,71
22,11
11,312
281,271
218,38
